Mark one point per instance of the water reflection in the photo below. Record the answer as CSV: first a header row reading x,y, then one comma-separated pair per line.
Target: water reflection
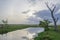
x,y
24,34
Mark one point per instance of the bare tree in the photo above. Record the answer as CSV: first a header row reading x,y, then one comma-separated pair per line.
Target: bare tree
x,y
52,15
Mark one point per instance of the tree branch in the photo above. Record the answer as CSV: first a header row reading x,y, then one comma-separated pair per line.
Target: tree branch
x,y
48,7
54,8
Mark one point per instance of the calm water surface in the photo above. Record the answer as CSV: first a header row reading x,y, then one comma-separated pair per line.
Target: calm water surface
x,y
24,34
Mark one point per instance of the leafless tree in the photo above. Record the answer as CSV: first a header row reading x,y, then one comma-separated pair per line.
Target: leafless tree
x,y
52,15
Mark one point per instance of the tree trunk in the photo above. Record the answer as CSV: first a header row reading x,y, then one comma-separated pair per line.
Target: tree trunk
x,y
55,23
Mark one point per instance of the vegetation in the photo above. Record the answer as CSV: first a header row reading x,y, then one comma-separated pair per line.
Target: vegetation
x,y
5,27
52,15
49,35
13,27
45,24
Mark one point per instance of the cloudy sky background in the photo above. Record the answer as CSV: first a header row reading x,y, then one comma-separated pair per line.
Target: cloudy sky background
x,y
27,11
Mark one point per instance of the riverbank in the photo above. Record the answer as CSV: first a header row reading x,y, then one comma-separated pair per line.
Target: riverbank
x,y
13,27
51,35
23,34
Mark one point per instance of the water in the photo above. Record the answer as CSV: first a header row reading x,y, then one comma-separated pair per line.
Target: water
x,y
24,34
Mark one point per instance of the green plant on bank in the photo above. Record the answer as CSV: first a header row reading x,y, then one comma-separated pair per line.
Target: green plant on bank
x,y
52,35
48,34
45,24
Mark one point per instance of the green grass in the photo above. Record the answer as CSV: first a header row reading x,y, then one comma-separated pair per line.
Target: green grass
x,y
51,34
13,27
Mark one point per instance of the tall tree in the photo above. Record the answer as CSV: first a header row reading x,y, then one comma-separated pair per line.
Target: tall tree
x,y
52,15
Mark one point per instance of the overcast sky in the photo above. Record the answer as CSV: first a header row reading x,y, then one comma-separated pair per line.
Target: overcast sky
x,y
26,11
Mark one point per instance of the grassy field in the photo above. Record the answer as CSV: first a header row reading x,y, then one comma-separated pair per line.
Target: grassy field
x,y
53,35
50,35
13,27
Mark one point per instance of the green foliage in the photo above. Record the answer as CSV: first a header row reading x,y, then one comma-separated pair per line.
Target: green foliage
x,y
52,35
44,24
13,27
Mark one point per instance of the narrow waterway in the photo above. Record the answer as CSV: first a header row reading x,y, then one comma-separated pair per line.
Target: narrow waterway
x,y
24,34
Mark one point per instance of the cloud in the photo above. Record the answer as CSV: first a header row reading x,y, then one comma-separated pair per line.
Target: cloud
x,y
57,10
32,1
43,13
19,10
8,10
34,19
25,12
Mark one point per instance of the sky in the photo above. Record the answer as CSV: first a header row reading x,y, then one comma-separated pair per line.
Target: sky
x,y
27,11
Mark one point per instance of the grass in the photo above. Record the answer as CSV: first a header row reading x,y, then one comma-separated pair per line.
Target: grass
x,y
13,27
53,35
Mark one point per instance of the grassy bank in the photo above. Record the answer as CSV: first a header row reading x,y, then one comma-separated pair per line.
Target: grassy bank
x,y
13,27
51,35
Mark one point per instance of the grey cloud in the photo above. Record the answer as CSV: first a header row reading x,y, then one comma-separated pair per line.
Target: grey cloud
x,y
45,14
34,20
25,12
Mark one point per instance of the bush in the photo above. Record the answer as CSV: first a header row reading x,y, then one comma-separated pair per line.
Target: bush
x,y
46,37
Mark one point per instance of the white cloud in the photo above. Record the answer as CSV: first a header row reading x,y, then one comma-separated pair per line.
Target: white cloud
x,y
12,9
